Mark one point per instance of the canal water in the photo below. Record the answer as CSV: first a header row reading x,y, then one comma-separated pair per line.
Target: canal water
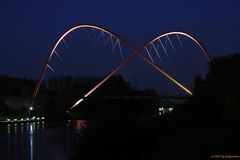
x,y
78,139
29,141
113,139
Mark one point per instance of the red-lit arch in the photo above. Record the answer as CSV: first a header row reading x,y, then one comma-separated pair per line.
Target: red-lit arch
x,y
138,52
135,52
198,43
44,67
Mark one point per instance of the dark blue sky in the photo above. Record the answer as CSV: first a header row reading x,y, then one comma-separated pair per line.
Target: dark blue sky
x,y
29,28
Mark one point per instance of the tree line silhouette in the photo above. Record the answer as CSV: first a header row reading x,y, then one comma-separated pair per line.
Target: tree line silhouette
x,y
57,94
214,96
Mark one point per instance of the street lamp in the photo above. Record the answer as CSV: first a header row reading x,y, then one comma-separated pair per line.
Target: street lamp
x,y
30,108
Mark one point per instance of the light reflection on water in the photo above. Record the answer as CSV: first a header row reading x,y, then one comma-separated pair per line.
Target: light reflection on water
x,y
69,140
106,139
26,141
38,141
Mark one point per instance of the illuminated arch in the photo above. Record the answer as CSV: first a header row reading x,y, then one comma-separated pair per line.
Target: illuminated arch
x,y
138,52
198,43
135,53
44,67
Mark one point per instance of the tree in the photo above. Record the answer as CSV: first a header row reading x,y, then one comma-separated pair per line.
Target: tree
x,y
3,106
219,93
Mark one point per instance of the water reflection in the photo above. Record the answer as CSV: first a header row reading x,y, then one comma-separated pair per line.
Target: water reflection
x,y
24,141
31,140
115,139
80,139
80,125
109,139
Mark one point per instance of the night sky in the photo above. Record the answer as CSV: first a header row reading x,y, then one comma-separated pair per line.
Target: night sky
x,y
29,28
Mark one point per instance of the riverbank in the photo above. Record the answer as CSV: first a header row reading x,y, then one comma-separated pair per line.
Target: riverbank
x,y
21,120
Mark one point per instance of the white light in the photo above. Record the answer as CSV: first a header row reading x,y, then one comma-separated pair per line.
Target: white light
x,y
160,109
8,120
31,108
77,103
33,117
15,119
170,109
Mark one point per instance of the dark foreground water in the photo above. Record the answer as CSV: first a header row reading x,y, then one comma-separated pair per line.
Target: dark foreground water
x,y
114,139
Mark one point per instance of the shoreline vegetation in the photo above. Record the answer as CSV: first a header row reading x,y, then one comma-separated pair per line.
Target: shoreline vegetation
x,y
215,97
